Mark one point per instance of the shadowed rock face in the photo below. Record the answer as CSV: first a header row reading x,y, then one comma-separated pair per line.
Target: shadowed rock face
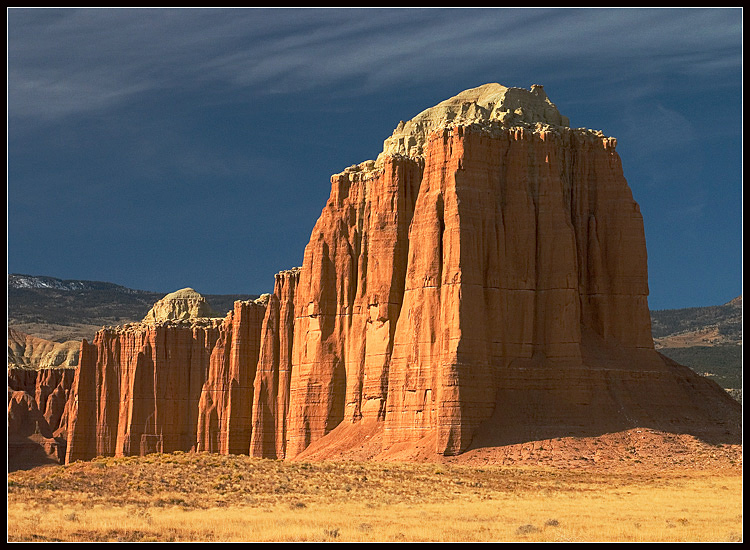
x,y
37,415
482,282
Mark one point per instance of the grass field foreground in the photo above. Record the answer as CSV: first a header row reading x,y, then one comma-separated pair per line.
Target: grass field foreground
x,y
205,497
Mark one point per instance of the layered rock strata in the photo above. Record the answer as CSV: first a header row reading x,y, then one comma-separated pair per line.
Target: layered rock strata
x,y
482,282
348,300
37,415
30,352
271,387
185,384
137,389
226,398
513,278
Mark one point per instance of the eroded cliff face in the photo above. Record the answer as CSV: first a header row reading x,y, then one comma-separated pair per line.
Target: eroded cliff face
x,y
482,282
349,298
226,400
513,297
187,383
37,415
49,388
508,270
485,257
271,387
138,387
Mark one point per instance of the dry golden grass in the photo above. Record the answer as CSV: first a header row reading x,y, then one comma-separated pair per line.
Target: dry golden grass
x,y
204,497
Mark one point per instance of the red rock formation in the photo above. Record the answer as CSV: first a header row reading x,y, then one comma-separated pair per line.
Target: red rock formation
x,y
137,389
31,441
509,267
167,385
521,286
226,401
348,300
37,415
24,417
273,376
483,282
49,389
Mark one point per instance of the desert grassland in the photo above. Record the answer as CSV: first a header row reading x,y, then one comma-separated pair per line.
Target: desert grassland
x,y
204,497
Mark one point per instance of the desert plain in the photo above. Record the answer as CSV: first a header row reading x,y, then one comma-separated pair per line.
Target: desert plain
x,y
617,488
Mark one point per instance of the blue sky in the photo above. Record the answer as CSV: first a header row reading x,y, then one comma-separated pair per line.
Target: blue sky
x,y
159,149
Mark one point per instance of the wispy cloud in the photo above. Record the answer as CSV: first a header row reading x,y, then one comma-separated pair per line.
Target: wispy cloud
x,y
68,61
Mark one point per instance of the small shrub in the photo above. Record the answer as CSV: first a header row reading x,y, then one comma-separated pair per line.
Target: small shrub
x,y
527,529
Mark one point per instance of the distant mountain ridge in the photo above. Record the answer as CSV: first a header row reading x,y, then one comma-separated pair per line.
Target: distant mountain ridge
x,y
17,281
62,309
698,325
706,339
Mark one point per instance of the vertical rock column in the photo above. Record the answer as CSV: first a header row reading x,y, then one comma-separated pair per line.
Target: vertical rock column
x,y
612,245
82,416
243,361
212,407
225,406
426,332
273,375
348,299
381,293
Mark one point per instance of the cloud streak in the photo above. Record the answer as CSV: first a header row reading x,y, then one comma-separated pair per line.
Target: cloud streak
x,y
64,62
122,120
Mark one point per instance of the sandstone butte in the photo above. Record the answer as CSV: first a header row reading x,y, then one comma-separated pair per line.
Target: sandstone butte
x,y
481,283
